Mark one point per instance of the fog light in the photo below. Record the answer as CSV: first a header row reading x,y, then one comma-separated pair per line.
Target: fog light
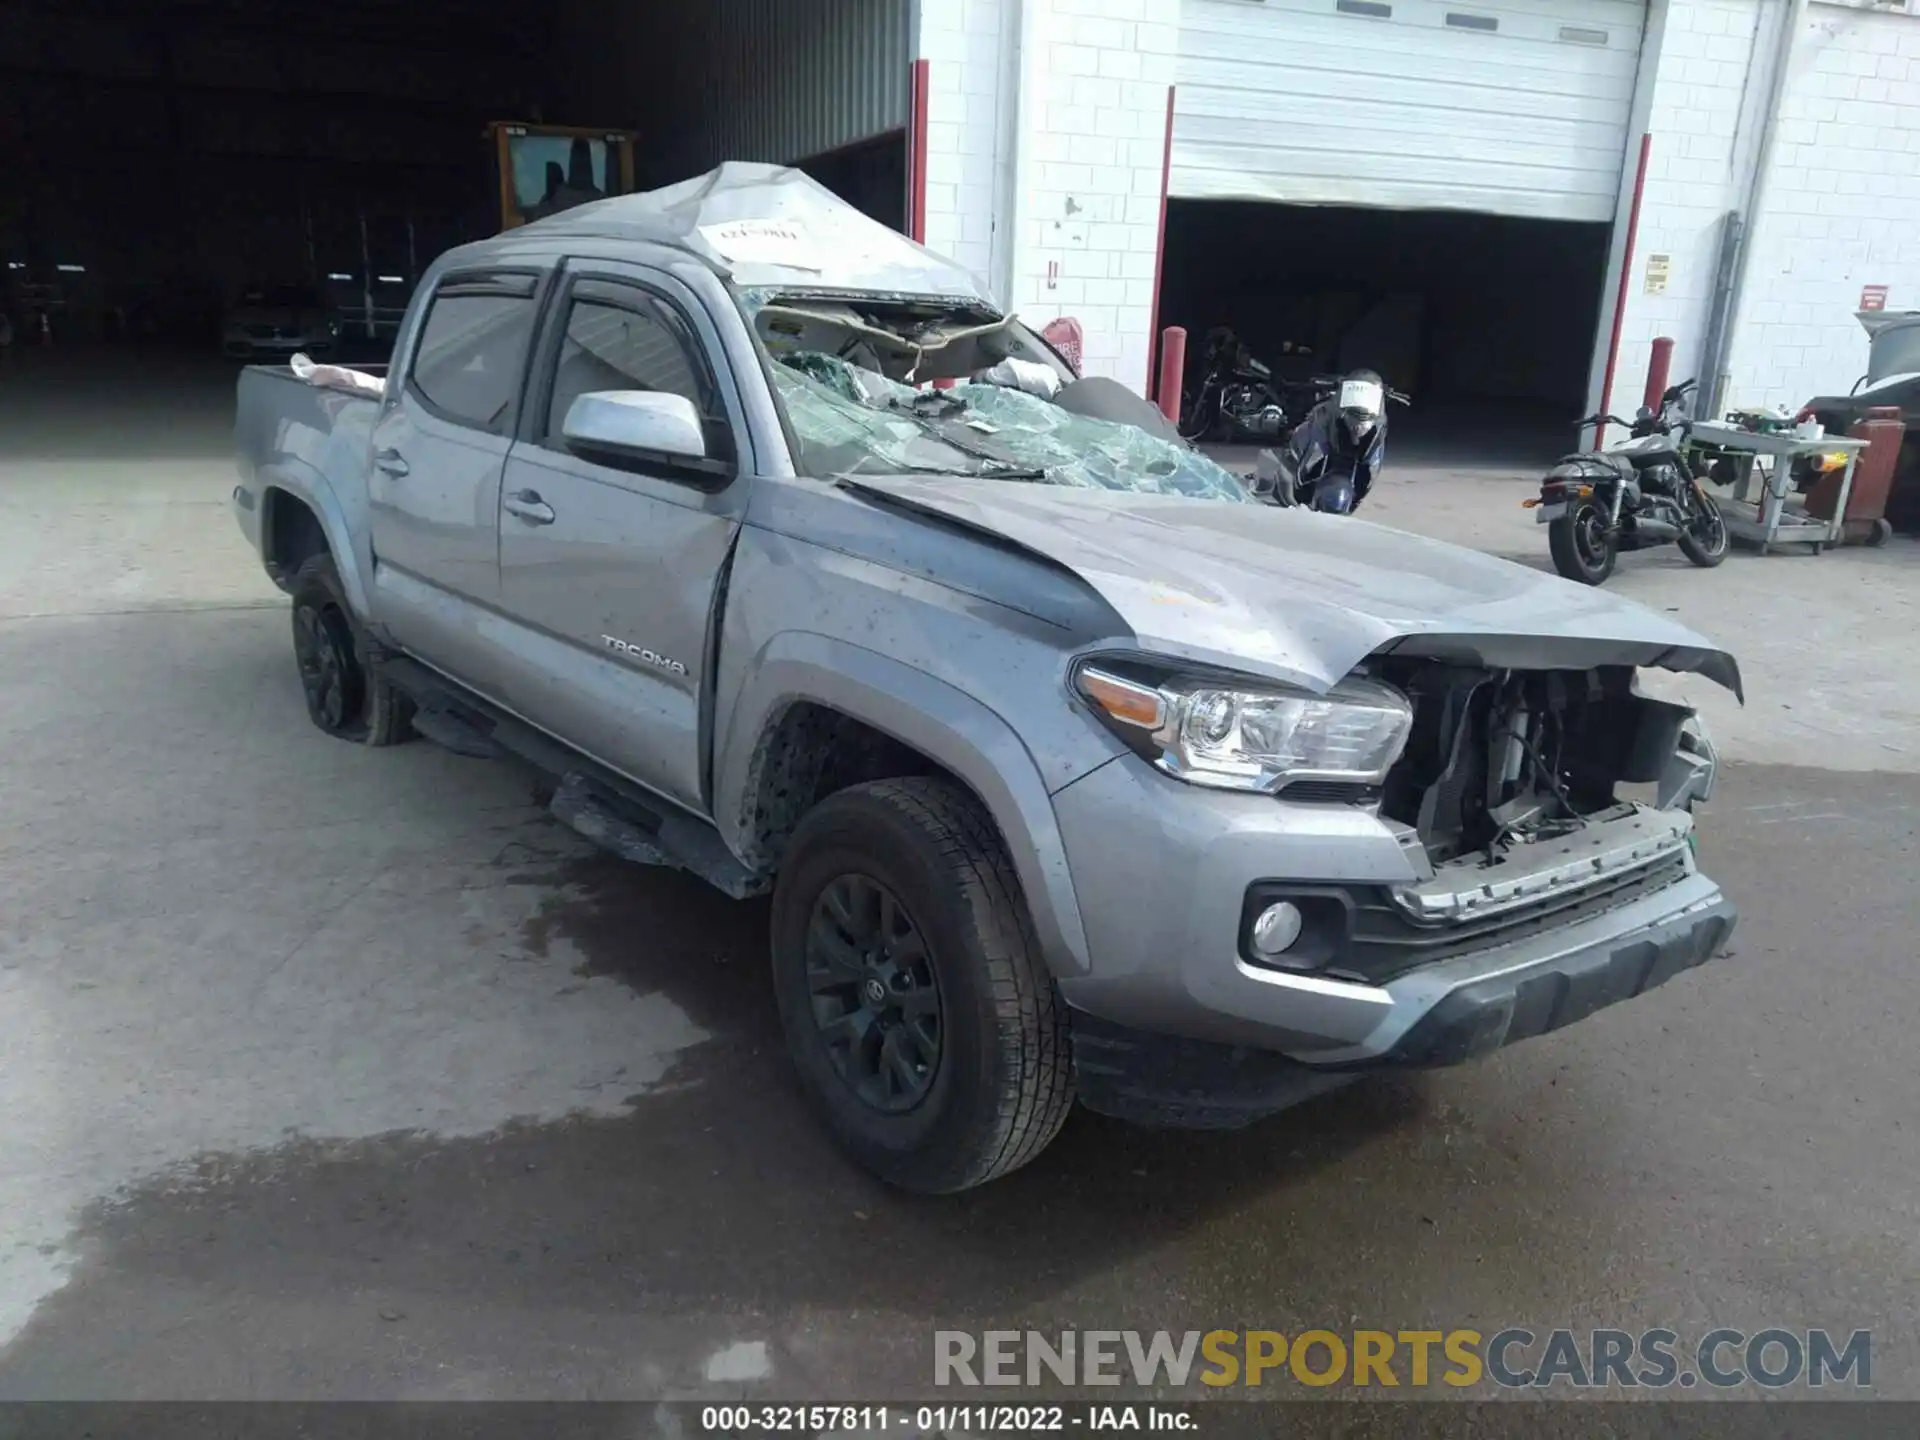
x,y
1276,928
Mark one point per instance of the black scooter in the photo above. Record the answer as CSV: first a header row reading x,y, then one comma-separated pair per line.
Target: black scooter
x,y
1634,495
1333,456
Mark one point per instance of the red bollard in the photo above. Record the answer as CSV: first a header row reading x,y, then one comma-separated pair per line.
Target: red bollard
x,y
1659,368
1173,370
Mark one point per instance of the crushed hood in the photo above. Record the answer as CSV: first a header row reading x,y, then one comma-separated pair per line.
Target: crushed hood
x,y
777,227
1302,597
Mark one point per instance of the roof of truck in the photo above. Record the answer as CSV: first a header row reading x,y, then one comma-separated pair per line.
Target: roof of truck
x,y
772,226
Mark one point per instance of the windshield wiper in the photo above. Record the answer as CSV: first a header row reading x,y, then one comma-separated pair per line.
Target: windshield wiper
x,y
1006,471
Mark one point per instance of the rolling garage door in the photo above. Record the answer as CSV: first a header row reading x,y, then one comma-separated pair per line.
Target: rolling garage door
x,y
1517,108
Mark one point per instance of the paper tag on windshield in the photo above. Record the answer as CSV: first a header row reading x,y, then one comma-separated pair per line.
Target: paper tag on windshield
x,y
763,242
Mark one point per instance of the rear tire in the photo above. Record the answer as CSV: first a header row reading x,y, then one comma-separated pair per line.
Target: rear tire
x,y
922,1022
1582,548
1713,549
346,697
1199,423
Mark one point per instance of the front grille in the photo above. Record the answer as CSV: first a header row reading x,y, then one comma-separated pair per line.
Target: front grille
x,y
1384,942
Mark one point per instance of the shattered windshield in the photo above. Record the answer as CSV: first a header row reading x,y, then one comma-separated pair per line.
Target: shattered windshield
x,y
847,420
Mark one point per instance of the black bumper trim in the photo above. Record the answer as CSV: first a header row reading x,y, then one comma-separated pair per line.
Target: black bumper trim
x,y
1488,1014
1173,1083
1170,1081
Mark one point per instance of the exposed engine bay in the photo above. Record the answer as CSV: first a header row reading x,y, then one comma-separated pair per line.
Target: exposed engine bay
x,y
1515,775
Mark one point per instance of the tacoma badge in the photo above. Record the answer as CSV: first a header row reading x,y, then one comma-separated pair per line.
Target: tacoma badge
x,y
637,652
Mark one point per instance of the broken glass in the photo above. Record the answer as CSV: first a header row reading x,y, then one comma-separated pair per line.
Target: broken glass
x,y
849,420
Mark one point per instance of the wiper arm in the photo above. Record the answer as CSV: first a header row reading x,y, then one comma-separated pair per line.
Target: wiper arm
x,y
1005,472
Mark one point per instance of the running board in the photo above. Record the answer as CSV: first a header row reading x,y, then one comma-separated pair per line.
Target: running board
x,y
581,805
451,731
606,808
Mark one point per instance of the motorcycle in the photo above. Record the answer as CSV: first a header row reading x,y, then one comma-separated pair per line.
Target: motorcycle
x,y
1633,495
1237,397
1333,456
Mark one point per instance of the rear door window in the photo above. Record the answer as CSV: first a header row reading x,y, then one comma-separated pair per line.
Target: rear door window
x,y
471,355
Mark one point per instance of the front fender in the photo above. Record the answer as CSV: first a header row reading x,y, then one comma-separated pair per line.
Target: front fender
x,y
942,722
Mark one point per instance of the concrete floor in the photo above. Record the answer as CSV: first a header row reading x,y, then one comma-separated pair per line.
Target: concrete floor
x,y
338,1073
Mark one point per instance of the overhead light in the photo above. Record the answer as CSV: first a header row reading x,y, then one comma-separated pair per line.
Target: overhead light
x,y
391,279
338,275
16,264
71,269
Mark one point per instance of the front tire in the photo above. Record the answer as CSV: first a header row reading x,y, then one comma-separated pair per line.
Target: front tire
x,y
1706,542
1582,546
922,1022
345,697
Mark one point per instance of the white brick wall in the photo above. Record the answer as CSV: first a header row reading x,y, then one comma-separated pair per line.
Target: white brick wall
x,y
1063,154
1047,125
968,112
1694,178
1841,208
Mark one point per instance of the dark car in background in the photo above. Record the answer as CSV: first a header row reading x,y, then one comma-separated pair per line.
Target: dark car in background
x,y
277,320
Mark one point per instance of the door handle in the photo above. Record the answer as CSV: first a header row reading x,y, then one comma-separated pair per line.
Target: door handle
x,y
528,505
390,462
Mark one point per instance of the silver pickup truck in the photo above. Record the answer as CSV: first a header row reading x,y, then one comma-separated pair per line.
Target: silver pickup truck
x,y
1073,771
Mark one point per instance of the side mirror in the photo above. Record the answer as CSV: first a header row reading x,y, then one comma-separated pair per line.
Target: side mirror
x,y
630,429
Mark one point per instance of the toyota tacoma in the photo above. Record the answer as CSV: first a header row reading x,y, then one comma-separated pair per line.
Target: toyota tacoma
x,y
1074,772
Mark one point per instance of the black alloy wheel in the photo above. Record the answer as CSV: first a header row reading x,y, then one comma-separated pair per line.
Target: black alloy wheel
x,y
329,670
874,994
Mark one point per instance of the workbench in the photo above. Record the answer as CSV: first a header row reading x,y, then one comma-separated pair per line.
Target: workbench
x,y
1766,521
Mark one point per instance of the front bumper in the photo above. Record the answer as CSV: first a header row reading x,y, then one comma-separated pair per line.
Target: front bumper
x,y
1443,1015
1160,904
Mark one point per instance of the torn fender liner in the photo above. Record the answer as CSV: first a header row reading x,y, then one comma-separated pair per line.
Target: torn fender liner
x,y
1303,598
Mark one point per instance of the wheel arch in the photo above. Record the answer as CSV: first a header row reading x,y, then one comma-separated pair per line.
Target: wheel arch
x,y
292,516
807,696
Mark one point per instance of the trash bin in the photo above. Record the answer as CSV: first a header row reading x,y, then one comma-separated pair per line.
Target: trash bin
x,y
1884,431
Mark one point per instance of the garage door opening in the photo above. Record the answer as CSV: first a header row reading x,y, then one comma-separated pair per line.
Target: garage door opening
x,y
174,165
1488,321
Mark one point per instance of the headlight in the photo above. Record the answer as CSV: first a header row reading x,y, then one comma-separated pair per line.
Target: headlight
x,y
1254,738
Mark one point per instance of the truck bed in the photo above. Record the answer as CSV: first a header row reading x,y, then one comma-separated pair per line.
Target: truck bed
x,y
286,429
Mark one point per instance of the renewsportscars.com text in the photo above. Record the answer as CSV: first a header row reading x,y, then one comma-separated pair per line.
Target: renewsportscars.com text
x,y
1514,1358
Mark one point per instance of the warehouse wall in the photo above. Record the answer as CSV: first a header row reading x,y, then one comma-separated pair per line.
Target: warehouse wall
x,y
772,80
1086,149
1704,124
1842,207
970,48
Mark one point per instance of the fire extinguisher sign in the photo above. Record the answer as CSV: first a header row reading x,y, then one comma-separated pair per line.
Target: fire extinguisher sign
x,y
1873,297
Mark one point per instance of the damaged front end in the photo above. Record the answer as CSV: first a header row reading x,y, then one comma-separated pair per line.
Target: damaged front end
x,y
1511,801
